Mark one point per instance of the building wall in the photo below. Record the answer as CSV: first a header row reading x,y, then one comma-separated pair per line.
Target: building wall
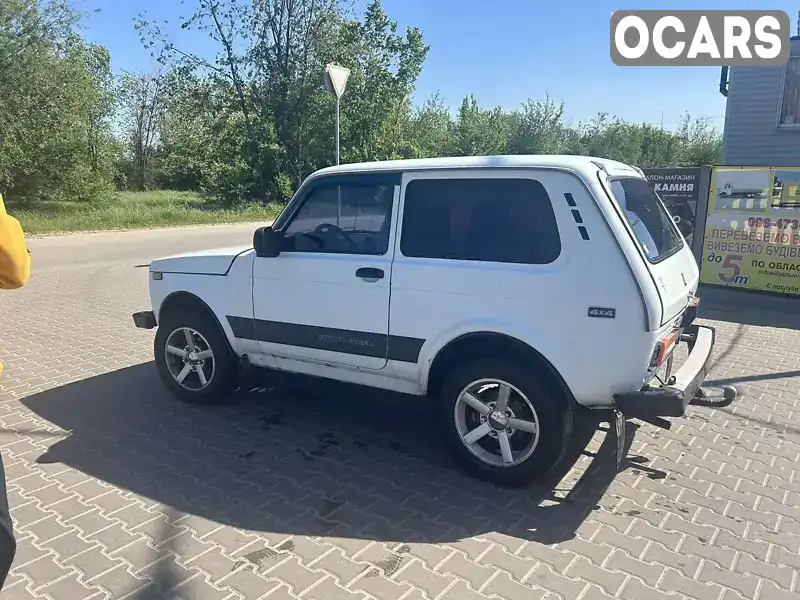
x,y
751,133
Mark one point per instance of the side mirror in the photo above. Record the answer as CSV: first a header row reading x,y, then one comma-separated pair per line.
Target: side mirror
x,y
267,242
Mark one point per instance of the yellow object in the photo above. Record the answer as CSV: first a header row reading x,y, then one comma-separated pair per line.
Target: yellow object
x,y
752,234
15,260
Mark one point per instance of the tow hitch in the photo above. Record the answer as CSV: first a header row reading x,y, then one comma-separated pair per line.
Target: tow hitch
x,y
729,394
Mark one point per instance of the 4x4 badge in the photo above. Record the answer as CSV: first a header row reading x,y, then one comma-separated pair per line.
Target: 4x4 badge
x,y
599,312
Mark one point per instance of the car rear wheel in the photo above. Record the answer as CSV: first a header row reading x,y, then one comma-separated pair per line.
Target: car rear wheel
x,y
193,358
502,424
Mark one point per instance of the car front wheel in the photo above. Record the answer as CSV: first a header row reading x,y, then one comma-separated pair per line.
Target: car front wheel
x,y
193,358
502,424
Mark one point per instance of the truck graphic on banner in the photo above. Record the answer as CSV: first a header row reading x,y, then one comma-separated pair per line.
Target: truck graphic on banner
x,y
731,192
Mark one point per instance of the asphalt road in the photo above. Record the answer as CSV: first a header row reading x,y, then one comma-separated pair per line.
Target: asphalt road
x,y
117,248
323,491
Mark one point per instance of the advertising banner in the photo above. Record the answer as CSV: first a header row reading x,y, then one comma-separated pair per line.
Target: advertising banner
x,y
752,232
679,189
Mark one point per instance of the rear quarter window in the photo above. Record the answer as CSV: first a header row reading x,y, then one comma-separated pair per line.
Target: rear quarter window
x,y
651,223
506,220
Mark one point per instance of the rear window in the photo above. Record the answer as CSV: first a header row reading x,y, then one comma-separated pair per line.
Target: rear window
x,y
647,216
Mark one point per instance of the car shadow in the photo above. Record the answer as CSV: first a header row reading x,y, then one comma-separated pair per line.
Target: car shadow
x,y
313,458
749,307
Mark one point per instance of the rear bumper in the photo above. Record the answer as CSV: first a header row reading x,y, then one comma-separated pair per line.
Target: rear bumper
x,y
144,319
672,400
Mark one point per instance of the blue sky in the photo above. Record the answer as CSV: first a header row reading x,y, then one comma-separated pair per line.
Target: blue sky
x,y
502,51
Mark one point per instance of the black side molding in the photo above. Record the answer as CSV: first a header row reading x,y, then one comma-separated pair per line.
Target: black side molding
x,y
346,341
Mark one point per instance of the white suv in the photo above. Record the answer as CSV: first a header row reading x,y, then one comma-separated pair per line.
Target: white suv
x,y
508,289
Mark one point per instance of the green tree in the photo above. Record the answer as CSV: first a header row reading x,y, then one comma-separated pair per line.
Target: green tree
x,y
55,105
384,69
429,132
265,85
701,144
142,107
538,128
480,132
254,120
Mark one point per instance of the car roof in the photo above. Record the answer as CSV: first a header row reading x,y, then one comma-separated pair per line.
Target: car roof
x,y
586,165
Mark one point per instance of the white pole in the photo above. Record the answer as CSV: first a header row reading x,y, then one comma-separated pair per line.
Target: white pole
x,y
338,187
337,130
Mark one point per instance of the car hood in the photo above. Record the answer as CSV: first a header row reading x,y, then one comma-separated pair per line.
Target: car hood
x,y
203,262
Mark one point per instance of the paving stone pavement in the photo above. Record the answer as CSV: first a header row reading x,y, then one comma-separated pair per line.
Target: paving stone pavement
x,y
321,491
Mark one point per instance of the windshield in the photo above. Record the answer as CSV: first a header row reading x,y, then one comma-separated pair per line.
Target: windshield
x,y
647,216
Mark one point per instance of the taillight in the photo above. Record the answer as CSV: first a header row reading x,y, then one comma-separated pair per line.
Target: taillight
x,y
664,347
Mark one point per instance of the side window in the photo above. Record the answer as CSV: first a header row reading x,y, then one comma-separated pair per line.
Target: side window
x,y
342,218
498,220
790,104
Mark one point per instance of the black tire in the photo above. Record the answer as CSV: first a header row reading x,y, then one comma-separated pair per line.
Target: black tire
x,y
555,416
223,379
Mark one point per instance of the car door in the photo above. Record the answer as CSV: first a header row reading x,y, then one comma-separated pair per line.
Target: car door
x,y
480,249
325,297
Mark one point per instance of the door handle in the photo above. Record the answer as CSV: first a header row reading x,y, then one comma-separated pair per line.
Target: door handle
x,y
369,273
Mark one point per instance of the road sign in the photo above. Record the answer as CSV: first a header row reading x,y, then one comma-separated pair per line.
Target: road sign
x,y
336,79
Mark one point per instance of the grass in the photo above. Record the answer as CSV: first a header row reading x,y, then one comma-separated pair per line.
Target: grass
x,y
132,210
